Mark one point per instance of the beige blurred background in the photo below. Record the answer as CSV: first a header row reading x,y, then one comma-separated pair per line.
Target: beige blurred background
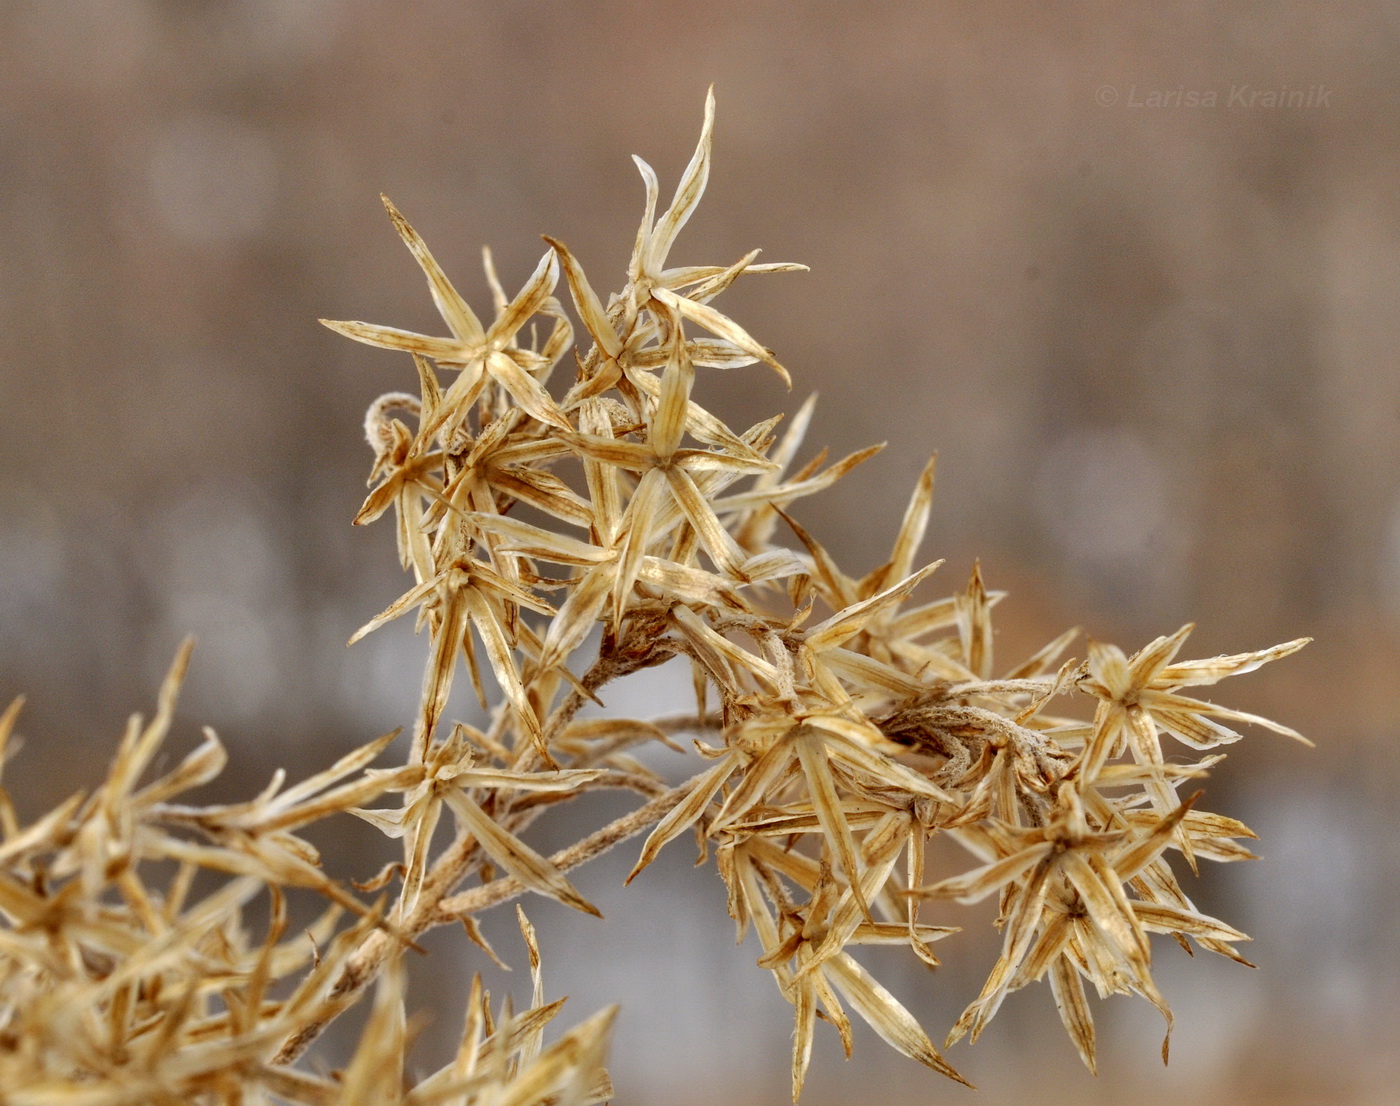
x,y
1151,336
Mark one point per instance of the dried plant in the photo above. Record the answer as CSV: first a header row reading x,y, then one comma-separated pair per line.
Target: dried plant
x,y
842,730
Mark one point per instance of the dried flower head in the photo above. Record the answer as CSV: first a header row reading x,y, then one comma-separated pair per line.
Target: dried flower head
x,y
844,727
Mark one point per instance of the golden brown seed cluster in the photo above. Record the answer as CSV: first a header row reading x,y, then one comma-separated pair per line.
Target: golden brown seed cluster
x,y
843,727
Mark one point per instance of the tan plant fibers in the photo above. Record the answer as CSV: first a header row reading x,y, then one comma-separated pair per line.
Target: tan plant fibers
x,y
842,729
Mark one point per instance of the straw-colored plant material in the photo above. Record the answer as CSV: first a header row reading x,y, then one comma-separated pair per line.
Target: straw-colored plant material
x,y
845,726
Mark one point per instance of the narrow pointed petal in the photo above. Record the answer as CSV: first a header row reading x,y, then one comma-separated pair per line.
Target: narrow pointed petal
x,y
1162,918
527,302
685,813
977,884
700,633
389,337
975,625
1249,719
545,491
796,432
639,250
452,631
688,193
882,1011
1204,824
576,617
455,312
198,767
1109,667
669,419
691,585
390,822
709,353
849,744
363,789
350,763
1141,853
1108,907
1022,923
1190,673
516,857
526,390
1193,730
1044,658
721,467
827,803
866,673
557,781
1151,657
722,326
702,424
431,390
681,276
405,602
718,542
911,530
603,491
499,652
499,299
1068,990
850,621
804,1004
1048,946
612,451
7,726
755,780
714,284
421,821
535,541
590,308
637,523
457,401
836,588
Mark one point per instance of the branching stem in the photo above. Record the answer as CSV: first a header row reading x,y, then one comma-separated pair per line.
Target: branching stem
x,y
435,907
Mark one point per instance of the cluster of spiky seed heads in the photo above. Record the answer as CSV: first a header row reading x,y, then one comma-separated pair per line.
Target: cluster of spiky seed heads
x,y
843,730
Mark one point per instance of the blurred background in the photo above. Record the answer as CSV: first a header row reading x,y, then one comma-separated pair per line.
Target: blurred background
x,y
1142,303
